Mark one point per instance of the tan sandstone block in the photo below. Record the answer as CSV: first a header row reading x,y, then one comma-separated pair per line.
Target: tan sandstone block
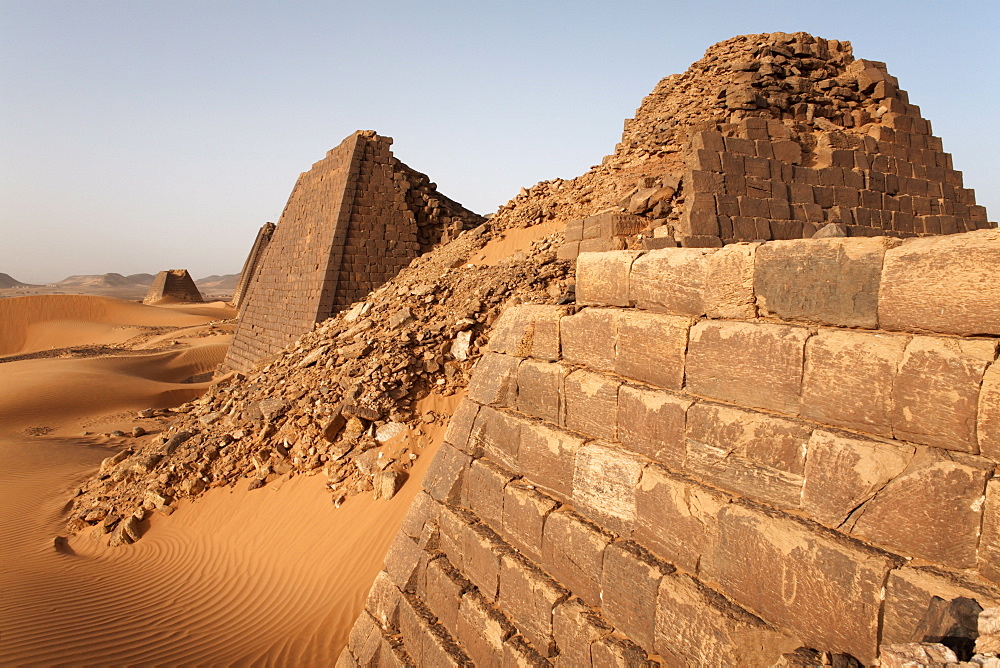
x,y
630,584
604,482
988,425
849,377
484,491
758,455
589,337
989,546
494,381
671,280
758,365
696,626
573,553
445,475
821,588
460,424
603,278
482,630
729,282
591,401
615,651
528,597
524,512
943,284
651,347
935,396
576,627
527,330
547,455
539,387
677,519
652,422
497,435
443,594
826,281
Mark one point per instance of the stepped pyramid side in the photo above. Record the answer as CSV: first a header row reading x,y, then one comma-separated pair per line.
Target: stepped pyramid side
x,y
175,284
264,235
351,223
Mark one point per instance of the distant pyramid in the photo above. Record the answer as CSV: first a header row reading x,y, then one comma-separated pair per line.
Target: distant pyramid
x,y
352,222
174,284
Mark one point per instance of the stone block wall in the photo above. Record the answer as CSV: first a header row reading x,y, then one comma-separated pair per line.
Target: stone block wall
x,y
731,456
173,284
351,223
264,235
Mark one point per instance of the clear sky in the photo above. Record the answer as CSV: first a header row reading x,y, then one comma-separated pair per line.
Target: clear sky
x,y
137,136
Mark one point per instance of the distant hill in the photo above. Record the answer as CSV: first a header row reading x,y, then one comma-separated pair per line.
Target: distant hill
x,y
8,281
219,283
111,280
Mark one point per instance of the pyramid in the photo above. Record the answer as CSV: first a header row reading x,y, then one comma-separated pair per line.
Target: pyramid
x,y
351,223
175,285
253,260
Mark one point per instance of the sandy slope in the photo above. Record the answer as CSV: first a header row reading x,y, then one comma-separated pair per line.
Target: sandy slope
x,y
271,576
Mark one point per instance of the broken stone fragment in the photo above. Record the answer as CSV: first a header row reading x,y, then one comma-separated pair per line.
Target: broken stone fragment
x,y
388,431
137,432
385,484
460,347
273,407
362,412
210,418
989,632
176,440
115,459
400,317
916,654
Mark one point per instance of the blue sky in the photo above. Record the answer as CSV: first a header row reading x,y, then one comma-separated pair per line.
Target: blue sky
x,y
137,136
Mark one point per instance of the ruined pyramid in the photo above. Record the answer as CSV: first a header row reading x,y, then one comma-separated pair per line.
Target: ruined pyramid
x,y
173,284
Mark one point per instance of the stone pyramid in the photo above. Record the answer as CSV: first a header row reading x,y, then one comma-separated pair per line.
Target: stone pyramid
x,y
173,284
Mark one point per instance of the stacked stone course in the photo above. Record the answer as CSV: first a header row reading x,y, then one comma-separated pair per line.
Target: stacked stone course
x,y
264,235
735,456
351,223
173,284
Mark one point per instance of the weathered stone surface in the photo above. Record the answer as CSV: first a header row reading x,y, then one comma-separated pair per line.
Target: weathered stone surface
x,y
524,513
826,281
497,435
573,553
729,283
989,545
652,423
936,392
988,641
589,338
423,511
821,588
651,347
547,456
671,280
697,626
460,424
933,606
615,651
454,524
539,388
843,472
484,491
677,519
495,381
630,584
849,377
933,510
916,654
402,560
385,484
443,592
603,278
604,483
529,596
756,365
445,475
575,628
988,425
482,630
755,454
517,653
383,602
943,284
591,401
363,642
482,558
528,330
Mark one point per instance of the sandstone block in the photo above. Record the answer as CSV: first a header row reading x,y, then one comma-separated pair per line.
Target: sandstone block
x,y
529,596
757,365
539,387
933,511
423,512
588,338
517,653
484,491
989,545
618,652
603,278
823,589
677,519
748,452
527,330
933,606
651,347
547,456
604,482
575,628
943,284
630,583
988,424
652,423
444,590
454,524
826,281
729,283
849,377
936,392
482,630
696,626
445,475
524,514
460,424
671,280
573,553
483,552
494,382
497,435
591,401
383,602
364,639
402,561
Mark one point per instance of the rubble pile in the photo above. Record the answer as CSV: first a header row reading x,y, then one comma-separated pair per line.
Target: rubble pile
x,y
333,402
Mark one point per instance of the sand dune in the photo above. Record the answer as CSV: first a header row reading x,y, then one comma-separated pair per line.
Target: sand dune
x,y
42,322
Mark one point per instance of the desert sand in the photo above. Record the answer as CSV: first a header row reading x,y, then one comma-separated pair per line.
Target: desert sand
x,y
273,575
